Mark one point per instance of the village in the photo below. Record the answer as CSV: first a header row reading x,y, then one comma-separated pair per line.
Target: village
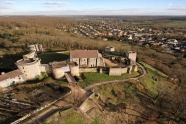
x,y
171,40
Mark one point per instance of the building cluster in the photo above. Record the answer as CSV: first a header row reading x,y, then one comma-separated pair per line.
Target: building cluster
x,y
115,29
29,68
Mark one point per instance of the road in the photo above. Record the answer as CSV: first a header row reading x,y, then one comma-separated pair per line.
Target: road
x,y
118,81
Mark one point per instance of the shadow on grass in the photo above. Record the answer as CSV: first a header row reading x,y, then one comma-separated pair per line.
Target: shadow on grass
x,y
50,57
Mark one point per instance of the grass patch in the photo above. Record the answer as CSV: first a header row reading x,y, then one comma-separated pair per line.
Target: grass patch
x,y
150,83
114,55
50,57
94,77
51,79
173,24
69,116
117,93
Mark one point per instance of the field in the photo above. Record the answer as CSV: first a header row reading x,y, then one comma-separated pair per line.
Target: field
x,y
161,23
173,24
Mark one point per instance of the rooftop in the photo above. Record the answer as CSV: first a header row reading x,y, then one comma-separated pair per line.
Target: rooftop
x,y
11,74
84,54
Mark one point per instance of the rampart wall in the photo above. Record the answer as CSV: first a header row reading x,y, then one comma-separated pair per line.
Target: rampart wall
x,y
81,70
46,68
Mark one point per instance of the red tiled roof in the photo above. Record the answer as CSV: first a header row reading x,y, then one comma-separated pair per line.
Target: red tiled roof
x,y
84,54
11,74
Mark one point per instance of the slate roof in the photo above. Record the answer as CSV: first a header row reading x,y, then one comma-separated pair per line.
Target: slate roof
x,y
84,54
10,75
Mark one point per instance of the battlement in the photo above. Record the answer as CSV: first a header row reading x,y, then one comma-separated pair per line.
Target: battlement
x,y
27,62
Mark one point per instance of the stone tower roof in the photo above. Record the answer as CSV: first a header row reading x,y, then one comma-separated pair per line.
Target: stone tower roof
x,y
84,54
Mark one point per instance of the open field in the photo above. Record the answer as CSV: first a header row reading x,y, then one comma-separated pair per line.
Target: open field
x,y
161,24
173,24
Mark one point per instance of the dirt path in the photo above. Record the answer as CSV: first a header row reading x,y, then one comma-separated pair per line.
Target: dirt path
x,y
77,93
109,63
61,105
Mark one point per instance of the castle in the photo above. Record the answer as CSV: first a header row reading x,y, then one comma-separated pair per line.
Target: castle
x,y
87,58
29,68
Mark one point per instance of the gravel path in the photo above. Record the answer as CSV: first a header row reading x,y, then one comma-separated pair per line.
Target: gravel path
x,y
111,64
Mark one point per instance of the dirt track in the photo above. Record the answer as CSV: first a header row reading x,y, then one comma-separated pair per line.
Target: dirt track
x,y
109,63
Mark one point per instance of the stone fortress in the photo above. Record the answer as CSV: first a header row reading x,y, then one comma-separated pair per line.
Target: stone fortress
x,y
29,68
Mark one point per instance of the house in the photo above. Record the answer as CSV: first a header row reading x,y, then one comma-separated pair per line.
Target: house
x,y
109,49
87,58
13,77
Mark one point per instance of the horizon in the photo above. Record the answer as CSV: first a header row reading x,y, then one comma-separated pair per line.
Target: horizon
x,y
91,8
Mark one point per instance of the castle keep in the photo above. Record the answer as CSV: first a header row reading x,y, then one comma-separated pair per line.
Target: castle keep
x,y
87,58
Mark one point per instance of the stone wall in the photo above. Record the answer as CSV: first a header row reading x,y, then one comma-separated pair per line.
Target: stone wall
x,y
30,55
115,71
83,62
75,60
131,55
100,62
58,73
36,47
74,70
92,62
81,70
45,68
124,70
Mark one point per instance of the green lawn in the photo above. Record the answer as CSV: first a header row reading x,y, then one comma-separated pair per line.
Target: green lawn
x,y
69,116
46,58
94,77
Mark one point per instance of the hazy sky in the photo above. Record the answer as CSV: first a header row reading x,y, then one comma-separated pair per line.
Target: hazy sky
x,y
93,7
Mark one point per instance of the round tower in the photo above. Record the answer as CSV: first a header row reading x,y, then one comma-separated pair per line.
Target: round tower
x,y
74,70
58,73
30,68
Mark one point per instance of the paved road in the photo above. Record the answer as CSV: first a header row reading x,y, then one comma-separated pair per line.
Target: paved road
x,y
118,81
